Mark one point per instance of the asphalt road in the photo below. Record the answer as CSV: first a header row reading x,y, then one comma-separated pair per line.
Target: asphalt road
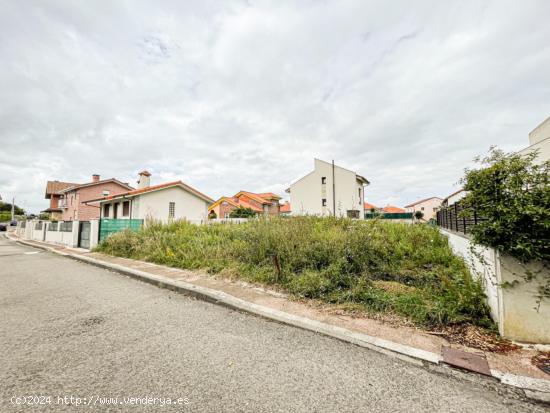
x,y
70,329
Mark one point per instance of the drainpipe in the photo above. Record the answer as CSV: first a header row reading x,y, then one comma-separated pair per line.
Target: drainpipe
x,y
333,192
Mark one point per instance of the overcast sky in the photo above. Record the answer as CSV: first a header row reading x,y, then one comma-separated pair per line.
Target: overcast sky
x,y
231,95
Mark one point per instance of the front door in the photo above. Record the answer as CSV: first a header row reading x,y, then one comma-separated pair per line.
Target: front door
x,y
115,211
84,234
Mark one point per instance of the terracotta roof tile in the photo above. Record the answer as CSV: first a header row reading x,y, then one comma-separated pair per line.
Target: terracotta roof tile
x,y
422,200
393,209
370,206
154,188
285,207
53,187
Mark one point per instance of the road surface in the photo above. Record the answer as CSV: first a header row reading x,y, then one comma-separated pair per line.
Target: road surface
x,y
74,333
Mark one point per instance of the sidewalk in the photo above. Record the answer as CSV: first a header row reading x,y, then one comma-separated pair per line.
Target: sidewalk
x,y
409,343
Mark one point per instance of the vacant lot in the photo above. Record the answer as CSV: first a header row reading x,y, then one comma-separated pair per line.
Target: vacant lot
x,y
375,266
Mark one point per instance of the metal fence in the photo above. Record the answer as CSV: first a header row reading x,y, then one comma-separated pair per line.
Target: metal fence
x,y
110,226
458,218
52,226
66,226
389,215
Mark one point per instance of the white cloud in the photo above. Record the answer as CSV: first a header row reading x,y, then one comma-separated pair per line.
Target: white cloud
x,y
242,95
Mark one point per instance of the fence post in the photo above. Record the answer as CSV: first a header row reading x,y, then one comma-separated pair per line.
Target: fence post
x,y
75,234
456,217
94,233
464,222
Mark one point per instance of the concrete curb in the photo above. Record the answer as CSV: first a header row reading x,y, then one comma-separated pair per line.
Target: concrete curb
x,y
535,389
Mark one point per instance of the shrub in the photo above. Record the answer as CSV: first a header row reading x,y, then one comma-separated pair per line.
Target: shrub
x,y
242,212
380,266
512,193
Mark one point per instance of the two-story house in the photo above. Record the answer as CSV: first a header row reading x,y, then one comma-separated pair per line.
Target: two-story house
x,y
53,193
329,190
265,203
428,207
72,200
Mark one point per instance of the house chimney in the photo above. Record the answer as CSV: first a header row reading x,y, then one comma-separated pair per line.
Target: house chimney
x,y
144,179
95,178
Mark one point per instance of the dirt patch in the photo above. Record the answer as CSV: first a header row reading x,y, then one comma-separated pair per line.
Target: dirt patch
x,y
475,337
542,361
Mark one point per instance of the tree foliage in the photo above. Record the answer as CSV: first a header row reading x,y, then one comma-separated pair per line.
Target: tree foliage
x,y
512,193
419,215
242,212
6,207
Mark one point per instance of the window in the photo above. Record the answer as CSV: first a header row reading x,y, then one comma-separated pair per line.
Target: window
x,y
106,210
359,196
323,180
324,202
435,209
353,213
422,208
171,210
126,208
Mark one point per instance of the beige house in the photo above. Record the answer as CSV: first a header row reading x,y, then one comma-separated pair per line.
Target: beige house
x,y
539,139
164,202
329,190
428,206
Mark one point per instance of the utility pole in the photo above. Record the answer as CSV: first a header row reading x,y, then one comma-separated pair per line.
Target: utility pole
x,y
333,192
13,209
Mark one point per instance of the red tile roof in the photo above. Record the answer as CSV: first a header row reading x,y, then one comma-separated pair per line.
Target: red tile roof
x,y
268,195
245,204
370,206
53,187
93,183
151,188
422,200
285,207
393,209
263,198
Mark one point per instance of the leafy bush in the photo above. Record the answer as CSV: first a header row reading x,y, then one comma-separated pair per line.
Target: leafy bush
x,y
379,266
512,192
242,212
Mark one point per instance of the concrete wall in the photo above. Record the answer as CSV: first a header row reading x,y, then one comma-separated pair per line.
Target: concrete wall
x,y
540,133
67,238
539,140
516,310
542,148
523,318
306,194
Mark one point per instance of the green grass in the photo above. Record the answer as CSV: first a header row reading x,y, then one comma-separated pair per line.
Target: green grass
x,y
381,266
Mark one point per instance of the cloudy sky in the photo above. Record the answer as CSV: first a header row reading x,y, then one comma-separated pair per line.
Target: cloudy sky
x,y
244,94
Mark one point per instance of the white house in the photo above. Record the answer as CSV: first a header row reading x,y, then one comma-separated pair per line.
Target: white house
x,y
172,200
329,190
539,140
428,207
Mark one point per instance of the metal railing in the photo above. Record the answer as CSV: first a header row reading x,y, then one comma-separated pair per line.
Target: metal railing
x,y
66,226
458,218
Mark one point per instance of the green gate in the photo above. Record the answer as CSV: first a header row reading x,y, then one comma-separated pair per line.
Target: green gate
x,y
110,226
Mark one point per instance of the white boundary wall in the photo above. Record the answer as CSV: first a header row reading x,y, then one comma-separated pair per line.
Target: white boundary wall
x,y
517,310
58,237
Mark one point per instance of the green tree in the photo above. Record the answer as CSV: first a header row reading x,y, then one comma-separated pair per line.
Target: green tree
x,y
242,212
419,215
6,207
512,193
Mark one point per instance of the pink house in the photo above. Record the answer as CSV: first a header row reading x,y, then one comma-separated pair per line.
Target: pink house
x,y
72,199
